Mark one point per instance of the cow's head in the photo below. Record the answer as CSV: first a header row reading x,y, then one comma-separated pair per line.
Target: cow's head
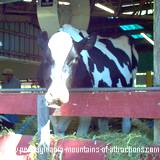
x,y
65,53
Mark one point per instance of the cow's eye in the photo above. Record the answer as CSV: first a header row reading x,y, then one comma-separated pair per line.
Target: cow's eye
x,y
75,60
70,63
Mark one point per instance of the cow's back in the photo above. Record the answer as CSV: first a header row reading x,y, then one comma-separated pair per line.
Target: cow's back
x,y
112,62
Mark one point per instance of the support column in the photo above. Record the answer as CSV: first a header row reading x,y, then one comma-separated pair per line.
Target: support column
x,y
157,62
43,128
48,17
149,79
80,13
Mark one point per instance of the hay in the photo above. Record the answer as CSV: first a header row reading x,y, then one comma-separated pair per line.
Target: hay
x,y
135,139
140,136
120,143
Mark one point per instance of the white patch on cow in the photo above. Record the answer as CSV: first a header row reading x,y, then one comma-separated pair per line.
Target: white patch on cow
x,y
57,90
126,73
123,69
73,32
84,33
135,53
122,43
119,84
60,45
104,75
85,57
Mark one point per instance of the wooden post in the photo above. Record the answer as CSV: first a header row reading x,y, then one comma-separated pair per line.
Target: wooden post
x,y
149,79
43,128
157,62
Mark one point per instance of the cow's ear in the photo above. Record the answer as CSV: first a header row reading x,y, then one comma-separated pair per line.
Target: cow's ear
x,y
90,42
86,43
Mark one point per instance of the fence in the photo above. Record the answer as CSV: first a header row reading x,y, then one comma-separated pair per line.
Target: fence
x,y
128,102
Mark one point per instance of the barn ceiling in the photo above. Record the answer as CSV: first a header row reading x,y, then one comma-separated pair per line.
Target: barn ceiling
x,y
125,12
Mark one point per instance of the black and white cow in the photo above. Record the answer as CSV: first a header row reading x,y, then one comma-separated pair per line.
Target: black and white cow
x,y
91,62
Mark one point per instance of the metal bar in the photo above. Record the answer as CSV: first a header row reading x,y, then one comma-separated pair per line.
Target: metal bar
x,y
86,89
43,128
9,1
23,90
15,33
128,89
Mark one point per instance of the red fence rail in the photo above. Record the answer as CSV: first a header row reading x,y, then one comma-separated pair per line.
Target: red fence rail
x,y
130,103
98,104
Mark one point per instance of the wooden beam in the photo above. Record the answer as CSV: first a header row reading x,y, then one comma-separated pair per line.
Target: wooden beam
x,y
98,104
103,23
23,104
101,13
156,62
15,18
112,104
9,1
137,8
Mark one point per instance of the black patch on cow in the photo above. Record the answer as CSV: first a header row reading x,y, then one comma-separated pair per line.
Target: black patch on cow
x,y
43,74
102,84
121,56
134,60
131,83
101,60
81,34
80,76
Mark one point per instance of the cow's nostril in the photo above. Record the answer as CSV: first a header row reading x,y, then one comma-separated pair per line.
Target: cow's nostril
x,y
50,94
58,102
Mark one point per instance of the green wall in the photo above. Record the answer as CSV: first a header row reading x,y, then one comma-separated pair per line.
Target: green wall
x,y
22,69
145,61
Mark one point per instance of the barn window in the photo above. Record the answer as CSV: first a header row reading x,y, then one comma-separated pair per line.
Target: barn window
x,y
139,36
130,27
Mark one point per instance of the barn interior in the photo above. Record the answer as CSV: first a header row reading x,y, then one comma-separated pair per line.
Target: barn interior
x,y
21,20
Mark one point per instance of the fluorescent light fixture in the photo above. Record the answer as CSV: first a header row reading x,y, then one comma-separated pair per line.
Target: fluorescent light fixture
x,y
105,8
147,38
150,11
27,0
130,5
63,3
141,74
128,13
130,27
143,12
144,73
8,1
139,36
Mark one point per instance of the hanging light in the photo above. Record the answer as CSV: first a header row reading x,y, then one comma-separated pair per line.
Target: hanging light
x,y
147,38
105,8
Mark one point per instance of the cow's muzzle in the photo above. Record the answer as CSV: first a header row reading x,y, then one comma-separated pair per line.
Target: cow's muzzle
x,y
57,95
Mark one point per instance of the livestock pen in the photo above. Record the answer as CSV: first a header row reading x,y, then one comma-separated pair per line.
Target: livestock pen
x,y
130,102
134,103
